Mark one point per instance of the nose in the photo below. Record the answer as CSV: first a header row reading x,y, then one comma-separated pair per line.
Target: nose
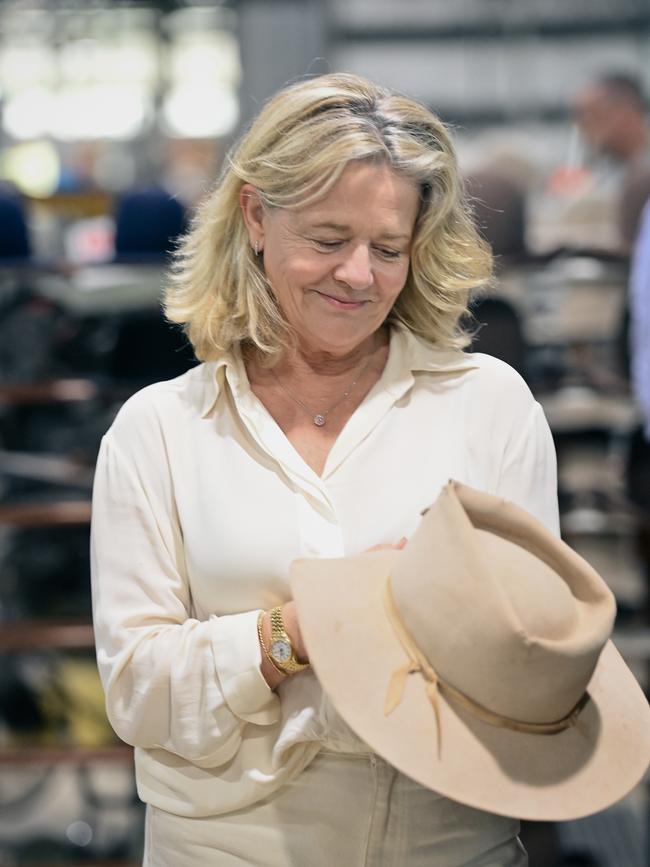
x,y
355,268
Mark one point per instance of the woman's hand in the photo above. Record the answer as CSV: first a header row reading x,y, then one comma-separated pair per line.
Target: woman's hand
x,y
291,626
384,547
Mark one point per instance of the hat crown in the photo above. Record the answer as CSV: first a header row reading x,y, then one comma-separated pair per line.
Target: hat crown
x,y
504,611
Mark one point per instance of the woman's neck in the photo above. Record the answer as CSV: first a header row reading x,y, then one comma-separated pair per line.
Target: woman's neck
x,y
303,362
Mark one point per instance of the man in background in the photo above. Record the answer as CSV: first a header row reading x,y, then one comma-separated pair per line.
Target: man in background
x,y
593,202
610,113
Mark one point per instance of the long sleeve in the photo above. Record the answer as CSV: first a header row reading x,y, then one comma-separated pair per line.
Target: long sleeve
x,y
640,320
171,681
529,470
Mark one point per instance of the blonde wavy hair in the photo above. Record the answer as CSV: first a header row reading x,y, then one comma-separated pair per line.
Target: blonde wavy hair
x,y
293,153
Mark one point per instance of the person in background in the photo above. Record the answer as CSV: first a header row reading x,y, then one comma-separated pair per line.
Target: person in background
x,y
323,286
610,113
591,203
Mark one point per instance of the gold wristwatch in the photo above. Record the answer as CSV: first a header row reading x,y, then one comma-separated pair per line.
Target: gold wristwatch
x,y
281,650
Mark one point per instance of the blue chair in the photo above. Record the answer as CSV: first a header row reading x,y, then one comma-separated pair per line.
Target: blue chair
x,y
148,223
14,237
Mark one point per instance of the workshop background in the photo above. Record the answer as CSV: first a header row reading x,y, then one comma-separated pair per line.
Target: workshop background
x,y
114,121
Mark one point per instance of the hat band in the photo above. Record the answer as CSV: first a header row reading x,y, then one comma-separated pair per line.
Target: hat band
x,y
435,684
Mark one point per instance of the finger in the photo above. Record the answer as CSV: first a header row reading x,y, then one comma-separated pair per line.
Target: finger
x,y
389,547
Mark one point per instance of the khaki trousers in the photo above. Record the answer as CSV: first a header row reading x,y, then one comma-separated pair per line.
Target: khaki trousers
x,y
343,810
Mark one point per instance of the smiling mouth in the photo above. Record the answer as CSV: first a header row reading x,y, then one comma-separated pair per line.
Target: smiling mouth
x,y
343,303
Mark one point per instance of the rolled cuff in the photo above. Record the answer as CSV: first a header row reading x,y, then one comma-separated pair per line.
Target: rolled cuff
x,y
237,658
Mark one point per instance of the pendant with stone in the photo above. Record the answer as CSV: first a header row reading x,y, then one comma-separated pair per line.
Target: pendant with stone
x,y
319,420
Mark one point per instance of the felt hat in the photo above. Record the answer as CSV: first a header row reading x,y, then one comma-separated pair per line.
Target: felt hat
x,y
477,661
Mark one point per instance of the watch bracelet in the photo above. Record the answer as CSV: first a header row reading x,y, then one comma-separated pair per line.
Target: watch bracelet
x,y
267,652
277,631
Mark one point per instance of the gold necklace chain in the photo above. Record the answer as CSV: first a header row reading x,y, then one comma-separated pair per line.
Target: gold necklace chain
x,y
320,418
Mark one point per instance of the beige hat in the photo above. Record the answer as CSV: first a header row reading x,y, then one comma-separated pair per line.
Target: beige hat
x,y
477,661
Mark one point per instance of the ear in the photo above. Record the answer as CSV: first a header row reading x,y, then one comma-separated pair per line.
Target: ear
x,y
253,212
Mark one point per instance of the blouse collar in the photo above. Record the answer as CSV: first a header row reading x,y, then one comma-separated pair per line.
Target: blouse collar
x,y
408,353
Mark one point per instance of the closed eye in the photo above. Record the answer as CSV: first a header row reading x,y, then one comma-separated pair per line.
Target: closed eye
x,y
327,245
388,253
384,252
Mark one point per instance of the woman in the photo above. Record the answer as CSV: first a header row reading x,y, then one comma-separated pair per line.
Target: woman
x,y
322,285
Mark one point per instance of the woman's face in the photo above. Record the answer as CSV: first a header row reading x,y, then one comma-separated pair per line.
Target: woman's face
x,y
337,266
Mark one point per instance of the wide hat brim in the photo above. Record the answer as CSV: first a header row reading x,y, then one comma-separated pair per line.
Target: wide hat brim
x,y
354,651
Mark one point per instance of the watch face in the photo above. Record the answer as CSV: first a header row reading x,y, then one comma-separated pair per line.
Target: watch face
x,y
281,650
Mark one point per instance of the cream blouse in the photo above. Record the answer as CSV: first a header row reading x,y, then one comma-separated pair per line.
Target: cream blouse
x,y
201,503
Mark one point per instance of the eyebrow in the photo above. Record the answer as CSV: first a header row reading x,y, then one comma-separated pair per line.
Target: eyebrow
x,y
341,227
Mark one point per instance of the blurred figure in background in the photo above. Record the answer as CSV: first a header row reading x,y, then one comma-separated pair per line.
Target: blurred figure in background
x,y
592,202
610,113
